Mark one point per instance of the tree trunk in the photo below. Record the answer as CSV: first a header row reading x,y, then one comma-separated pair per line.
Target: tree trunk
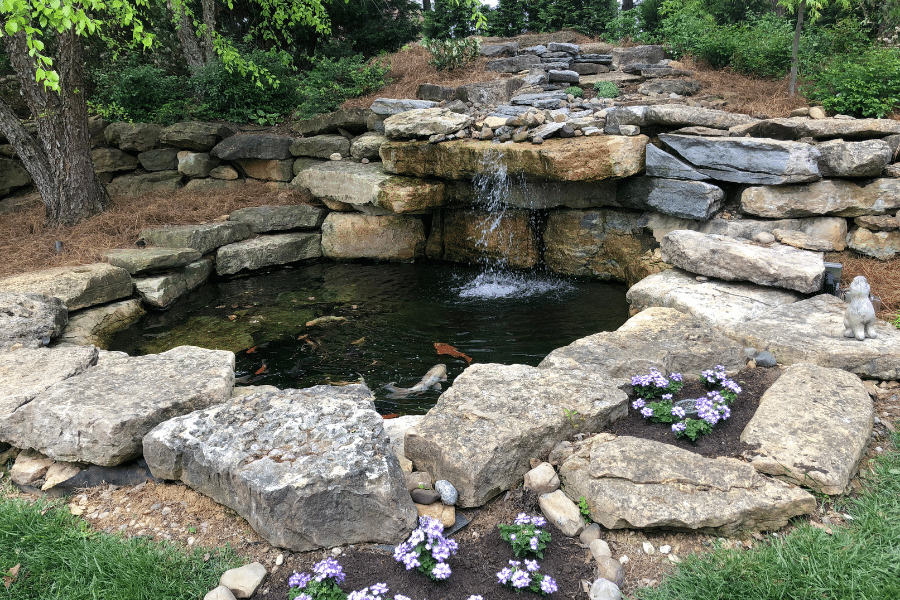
x,y
426,5
627,5
184,29
209,20
795,49
59,161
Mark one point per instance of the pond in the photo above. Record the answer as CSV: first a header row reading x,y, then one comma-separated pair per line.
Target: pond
x,y
342,323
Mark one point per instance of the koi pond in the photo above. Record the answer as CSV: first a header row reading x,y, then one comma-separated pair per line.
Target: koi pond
x,y
338,323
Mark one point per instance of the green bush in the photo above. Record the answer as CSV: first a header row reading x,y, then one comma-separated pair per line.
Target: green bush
x,y
865,85
450,54
762,47
606,89
628,24
144,93
333,80
575,91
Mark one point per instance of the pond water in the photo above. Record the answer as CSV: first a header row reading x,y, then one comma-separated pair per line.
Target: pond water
x,y
386,320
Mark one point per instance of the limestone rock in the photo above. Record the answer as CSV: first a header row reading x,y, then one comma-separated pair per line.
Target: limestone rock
x,y
853,159
367,145
685,199
259,146
133,137
647,54
268,250
145,260
561,512
100,415
30,466
882,245
110,160
830,197
133,186
193,135
513,64
262,219
851,129
351,235
161,291
662,164
803,241
473,235
542,479
267,170
313,453
634,483
243,581
498,91
878,223
563,76
425,122
202,238
29,319
498,50
735,260
77,287
321,146
483,430
384,107
96,326
811,428
666,86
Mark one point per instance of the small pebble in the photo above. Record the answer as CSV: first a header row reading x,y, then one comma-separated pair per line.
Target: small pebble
x,y
279,560
624,559
448,493
665,549
336,551
648,548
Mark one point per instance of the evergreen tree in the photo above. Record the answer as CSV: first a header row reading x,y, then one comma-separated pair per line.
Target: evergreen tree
x,y
508,19
448,20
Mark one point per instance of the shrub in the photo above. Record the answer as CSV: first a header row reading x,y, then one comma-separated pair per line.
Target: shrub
x,y
333,80
450,54
606,89
866,85
763,47
575,91
128,91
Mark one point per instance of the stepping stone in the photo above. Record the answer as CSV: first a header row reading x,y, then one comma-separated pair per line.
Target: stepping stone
x,y
203,238
268,250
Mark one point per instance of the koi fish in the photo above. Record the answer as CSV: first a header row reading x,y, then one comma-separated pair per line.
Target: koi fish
x,y
448,349
431,380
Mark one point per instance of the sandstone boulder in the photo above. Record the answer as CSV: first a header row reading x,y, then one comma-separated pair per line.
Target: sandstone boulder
x,y
882,245
77,287
425,122
389,237
268,250
32,320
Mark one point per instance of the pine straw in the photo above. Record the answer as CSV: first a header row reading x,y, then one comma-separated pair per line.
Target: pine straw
x,y
27,245
883,277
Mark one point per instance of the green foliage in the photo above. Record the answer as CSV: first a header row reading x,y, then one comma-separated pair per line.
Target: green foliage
x,y
729,12
628,24
762,47
866,85
606,89
448,19
587,16
585,510
896,321
143,93
331,81
449,54
508,19
367,28
575,91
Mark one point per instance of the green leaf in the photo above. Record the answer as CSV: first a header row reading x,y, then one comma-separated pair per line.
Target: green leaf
x,y
12,27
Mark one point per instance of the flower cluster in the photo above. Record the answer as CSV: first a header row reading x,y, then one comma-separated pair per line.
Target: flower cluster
x,y
520,578
528,535
656,385
427,549
321,585
717,379
376,592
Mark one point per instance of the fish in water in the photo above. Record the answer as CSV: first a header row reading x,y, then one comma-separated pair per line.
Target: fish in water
x,y
432,380
448,349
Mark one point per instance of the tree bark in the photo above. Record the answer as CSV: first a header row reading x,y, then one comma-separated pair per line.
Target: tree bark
x,y
59,160
627,5
795,49
209,20
426,5
187,37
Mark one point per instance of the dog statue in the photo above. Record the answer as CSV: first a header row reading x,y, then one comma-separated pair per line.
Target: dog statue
x,y
859,318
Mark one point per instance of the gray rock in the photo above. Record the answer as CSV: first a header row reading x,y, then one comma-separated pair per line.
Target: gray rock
x,y
259,146
599,548
366,146
12,175
629,130
853,159
316,453
145,260
202,238
425,122
388,237
546,130
96,326
349,119
610,569
561,512
388,106
536,77
634,483
676,197
513,64
563,47
662,164
498,50
882,245
803,241
498,91
540,100
494,418
266,170
563,76
262,219
448,493
193,135
637,54
765,359
196,165
268,250
219,593
682,87
133,137
77,287
434,93
830,197
163,159
542,480
138,185
111,160
811,428
423,496
603,589
586,68
736,260
321,146
878,223
851,129
32,320
161,291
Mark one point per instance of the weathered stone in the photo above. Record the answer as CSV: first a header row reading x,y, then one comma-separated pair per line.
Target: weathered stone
x,y
542,479
145,183
163,159
851,128
133,137
604,589
258,146
483,430
637,54
349,119
219,593
878,223
321,146
563,47
811,428
590,159
425,122
369,186
803,241
96,326
600,550
682,87
676,197
853,159
882,245
434,93
830,197
267,170
535,77
634,483
385,107
29,319
317,452
59,472
145,260
202,238
206,186
712,302
77,287
243,581
30,466
501,49
366,145
542,100
388,237
736,260
12,175
498,91
656,338
476,235
423,496
268,250
561,512
439,511
192,135
224,172
584,68
662,164
100,416
747,160
563,76
110,160
261,219
161,291
513,64
196,165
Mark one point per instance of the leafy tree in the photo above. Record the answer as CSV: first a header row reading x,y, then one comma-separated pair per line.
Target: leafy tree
x,y
801,7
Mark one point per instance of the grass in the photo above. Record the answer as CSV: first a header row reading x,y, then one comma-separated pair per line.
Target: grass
x,y
859,561
46,553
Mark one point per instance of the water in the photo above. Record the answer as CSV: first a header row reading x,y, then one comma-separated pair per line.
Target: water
x,y
394,314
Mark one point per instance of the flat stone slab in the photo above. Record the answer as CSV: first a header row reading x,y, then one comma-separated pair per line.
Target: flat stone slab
x,y
634,483
163,290
676,197
203,238
78,287
268,250
96,326
713,302
733,259
812,331
425,122
494,418
31,320
588,81
308,468
101,415
657,338
575,159
262,219
830,197
811,428
145,260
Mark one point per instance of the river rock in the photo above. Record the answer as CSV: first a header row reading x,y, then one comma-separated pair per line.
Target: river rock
x,y
747,160
110,160
96,326
811,428
133,137
32,320
853,159
77,287
438,511
145,260
603,589
367,145
471,236
662,164
244,581
635,483
448,493
685,199
829,197
388,237
268,250
163,159
193,135
425,122
203,238
483,430
368,185
315,453
259,146
882,245
100,415
656,338
262,219
588,159
321,146
133,186
542,479
562,513
736,260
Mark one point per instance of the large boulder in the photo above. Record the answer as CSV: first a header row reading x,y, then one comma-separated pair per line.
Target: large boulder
x,y
494,418
96,326
307,468
111,160
133,137
851,128
268,250
853,159
498,91
676,197
662,164
633,483
738,260
77,287
367,145
162,159
665,86
12,175
384,107
31,320
196,164
261,219
266,169
101,415
471,236
203,238
513,64
830,197
647,54
192,135
387,237
811,428
425,122
163,290
583,159
260,146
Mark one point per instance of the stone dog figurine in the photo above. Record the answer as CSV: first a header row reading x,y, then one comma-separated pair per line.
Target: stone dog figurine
x,y
859,318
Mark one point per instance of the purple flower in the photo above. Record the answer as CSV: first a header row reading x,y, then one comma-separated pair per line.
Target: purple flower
x,y
667,396
441,571
303,596
637,404
522,519
548,585
726,412
647,412
512,537
520,579
504,575
539,522
299,580
675,377
329,568
362,594
380,588
402,597
676,427
532,565
473,597
678,412
533,544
